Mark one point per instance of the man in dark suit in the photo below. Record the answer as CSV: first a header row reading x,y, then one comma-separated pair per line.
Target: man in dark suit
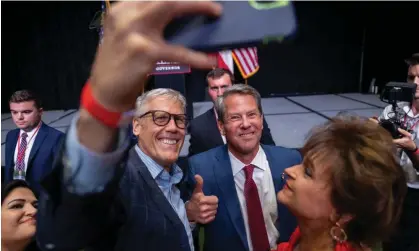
x,y
103,194
31,148
203,129
245,176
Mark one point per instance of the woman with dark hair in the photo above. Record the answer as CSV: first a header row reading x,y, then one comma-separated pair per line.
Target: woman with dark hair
x,y
18,223
348,192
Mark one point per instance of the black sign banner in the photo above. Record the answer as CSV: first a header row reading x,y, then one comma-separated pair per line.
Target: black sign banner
x,y
164,68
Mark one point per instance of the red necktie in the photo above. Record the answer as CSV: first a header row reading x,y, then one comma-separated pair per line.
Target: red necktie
x,y
20,162
257,227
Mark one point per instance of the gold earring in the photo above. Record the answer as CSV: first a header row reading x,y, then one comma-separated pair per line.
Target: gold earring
x,y
338,233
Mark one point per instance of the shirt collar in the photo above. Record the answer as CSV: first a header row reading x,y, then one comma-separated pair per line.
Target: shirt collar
x,y
32,132
157,170
408,110
237,165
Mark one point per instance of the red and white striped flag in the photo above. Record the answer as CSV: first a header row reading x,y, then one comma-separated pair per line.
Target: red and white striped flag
x,y
224,60
246,60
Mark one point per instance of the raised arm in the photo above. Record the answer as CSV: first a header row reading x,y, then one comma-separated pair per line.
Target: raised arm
x,y
79,203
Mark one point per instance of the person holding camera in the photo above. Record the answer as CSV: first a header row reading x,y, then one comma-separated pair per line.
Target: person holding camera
x,y
407,236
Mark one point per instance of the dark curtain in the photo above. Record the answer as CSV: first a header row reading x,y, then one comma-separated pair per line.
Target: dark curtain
x,y
391,36
47,47
324,56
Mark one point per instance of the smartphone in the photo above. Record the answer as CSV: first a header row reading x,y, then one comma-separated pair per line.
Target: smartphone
x,y
242,24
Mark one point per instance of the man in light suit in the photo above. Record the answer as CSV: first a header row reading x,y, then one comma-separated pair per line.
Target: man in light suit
x,y
32,147
203,129
104,193
245,176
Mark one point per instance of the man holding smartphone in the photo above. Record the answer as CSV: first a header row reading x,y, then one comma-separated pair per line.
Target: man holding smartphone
x,y
104,194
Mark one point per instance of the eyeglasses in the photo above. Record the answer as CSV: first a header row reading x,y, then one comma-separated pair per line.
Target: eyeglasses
x,y
162,118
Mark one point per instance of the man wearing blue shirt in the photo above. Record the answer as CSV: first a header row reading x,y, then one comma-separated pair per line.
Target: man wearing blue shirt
x,y
103,194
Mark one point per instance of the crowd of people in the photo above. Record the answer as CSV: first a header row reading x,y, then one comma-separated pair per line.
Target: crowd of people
x,y
92,189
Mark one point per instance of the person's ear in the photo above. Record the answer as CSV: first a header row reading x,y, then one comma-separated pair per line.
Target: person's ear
x,y
261,116
136,126
220,125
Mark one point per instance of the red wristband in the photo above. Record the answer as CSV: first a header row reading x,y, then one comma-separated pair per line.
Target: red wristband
x,y
108,118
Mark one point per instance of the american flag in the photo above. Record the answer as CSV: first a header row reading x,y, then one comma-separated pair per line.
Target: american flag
x,y
225,60
246,60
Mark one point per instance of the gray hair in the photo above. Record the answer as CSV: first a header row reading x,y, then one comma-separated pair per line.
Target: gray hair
x,y
239,89
142,101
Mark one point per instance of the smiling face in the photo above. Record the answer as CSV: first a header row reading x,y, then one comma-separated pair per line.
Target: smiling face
x,y
18,212
307,192
161,143
242,124
350,176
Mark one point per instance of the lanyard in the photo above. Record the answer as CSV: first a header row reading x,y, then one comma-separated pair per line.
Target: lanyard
x,y
413,126
19,139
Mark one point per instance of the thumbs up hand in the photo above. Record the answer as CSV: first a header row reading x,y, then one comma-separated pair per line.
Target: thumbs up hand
x,y
201,208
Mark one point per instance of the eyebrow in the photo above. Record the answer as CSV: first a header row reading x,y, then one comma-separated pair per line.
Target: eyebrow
x,y
216,87
21,200
27,110
16,200
238,113
309,162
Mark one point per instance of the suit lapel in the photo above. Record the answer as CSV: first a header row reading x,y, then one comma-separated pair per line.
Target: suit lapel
x,y
156,194
214,133
286,222
225,180
276,172
40,137
10,151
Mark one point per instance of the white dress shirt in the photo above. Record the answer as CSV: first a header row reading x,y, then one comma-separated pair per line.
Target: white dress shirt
x,y
29,140
264,182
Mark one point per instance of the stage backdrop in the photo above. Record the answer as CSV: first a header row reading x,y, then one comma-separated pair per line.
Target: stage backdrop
x,y
47,46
